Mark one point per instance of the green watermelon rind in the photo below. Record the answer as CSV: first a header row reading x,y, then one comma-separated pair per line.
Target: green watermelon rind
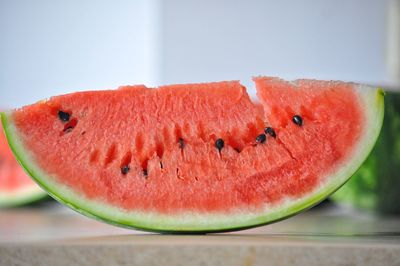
x,y
29,193
192,222
23,197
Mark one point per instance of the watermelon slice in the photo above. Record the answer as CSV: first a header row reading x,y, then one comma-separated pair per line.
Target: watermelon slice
x,y
375,186
16,187
197,157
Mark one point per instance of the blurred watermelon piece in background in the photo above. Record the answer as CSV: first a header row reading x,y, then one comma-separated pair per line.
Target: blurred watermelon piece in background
x,y
16,187
376,185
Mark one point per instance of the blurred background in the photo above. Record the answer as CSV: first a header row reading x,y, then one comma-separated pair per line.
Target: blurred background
x,y
49,47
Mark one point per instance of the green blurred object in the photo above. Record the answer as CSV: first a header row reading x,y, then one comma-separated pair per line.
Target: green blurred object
x,y
376,185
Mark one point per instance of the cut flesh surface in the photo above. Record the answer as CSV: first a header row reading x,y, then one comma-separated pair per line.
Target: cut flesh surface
x,y
147,158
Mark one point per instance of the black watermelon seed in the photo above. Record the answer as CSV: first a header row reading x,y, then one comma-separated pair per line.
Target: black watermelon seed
x,y
64,116
125,169
219,144
145,172
261,138
181,143
270,131
297,120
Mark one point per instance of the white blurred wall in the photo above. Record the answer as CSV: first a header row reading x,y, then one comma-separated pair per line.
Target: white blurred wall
x,y
231,39
48,47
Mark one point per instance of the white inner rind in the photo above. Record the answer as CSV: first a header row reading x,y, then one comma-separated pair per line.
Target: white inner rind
x,y
371,98
21,195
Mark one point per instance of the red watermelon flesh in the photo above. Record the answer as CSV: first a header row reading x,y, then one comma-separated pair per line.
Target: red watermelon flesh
x,y
16,187
158,152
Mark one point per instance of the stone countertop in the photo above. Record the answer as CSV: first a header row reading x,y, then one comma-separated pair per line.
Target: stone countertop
x,y
50,234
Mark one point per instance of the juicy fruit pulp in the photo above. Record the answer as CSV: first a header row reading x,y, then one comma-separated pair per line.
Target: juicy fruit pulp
x,y
16,187
195,157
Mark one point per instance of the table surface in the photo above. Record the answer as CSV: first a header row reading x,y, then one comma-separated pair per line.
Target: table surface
x,y
51,233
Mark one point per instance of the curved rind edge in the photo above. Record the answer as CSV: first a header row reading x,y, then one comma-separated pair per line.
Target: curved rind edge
x,y
22,198
373,99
